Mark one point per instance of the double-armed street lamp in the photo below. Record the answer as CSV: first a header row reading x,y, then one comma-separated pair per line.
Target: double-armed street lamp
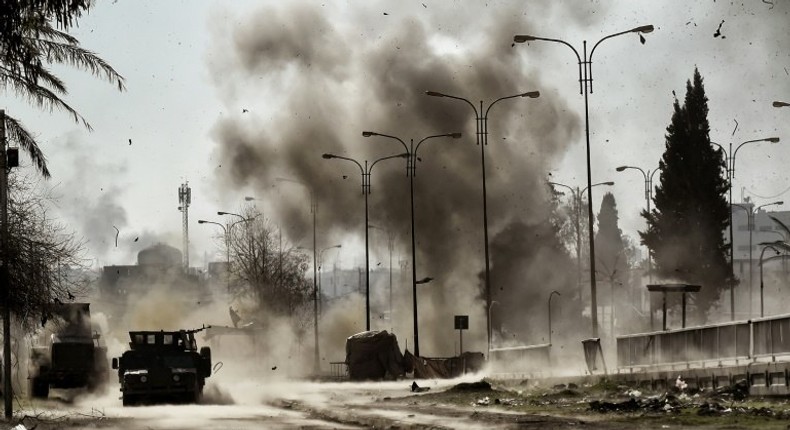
x,y
729,158
750,214
648,198
313,211
577,194
411,172
365,171
226,232
481,125
585,87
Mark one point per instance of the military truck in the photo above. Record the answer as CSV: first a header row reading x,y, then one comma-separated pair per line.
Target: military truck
x,y
66,353
163,367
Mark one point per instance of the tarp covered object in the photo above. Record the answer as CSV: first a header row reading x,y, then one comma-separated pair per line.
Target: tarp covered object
x,y
373,355
450,367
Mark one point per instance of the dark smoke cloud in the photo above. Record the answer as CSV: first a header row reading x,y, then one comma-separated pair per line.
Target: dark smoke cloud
x,y
332,80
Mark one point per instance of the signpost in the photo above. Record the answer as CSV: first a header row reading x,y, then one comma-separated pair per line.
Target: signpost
x,y
461,324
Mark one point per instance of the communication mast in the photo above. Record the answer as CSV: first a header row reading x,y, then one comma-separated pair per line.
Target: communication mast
x,y
184,200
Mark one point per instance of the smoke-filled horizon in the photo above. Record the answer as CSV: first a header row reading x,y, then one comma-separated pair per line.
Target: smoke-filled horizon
x,y
333,93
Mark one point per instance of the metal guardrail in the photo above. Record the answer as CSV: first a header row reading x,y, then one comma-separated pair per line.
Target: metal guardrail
x,y
763,337
520,359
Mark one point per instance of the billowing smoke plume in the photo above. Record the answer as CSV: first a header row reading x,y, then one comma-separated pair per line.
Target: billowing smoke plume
x,y
302,80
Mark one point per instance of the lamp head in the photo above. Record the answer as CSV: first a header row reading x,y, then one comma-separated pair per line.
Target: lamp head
x,y
433,94
202,221
328,156
779,203
521,38
221,213
339,246
368,133
643,29
531,94
773,139
621,168
249,199
780,104
610,183
455,135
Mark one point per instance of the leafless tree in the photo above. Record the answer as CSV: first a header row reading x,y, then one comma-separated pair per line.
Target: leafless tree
x,y
45,258
267,271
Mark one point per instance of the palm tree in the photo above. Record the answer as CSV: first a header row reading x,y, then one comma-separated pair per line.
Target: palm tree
x,y
24,57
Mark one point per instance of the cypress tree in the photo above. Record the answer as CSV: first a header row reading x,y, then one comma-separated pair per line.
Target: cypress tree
x,y
610,257
685,228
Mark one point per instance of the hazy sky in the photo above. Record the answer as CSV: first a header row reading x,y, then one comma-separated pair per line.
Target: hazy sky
x,y
180,60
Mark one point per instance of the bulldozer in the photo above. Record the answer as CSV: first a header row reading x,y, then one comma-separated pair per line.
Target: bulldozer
x,y
67,353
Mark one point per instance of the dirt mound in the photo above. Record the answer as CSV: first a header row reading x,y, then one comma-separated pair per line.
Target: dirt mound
x,y
481,385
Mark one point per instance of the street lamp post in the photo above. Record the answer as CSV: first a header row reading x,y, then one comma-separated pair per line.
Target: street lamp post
x,y
648,198
411,171
750,215
226,231
365,171
493,302
481,118
762,253
729,157
576,194
390,247
550,296
313,211
585,87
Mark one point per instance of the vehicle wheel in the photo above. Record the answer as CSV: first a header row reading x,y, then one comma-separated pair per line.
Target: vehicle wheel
x,y
39,388
129,400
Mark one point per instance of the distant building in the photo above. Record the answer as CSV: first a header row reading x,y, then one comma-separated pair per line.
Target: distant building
x,y
158,267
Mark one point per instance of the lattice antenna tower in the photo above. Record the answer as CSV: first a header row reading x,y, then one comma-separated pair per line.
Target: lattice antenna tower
x,y
184,200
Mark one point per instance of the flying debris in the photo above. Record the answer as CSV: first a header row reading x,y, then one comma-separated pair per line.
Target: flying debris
x,y
385,13
244,111
116,235
71,296
274,368
642,39
718,31
136,238
130,141
234,317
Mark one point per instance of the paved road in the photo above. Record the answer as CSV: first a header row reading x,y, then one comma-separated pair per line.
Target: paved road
x,y
254,405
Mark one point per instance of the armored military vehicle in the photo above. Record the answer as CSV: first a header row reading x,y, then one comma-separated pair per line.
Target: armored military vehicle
x,y
163,367
66,353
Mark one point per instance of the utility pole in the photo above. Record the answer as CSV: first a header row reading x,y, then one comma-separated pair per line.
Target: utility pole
x,y
184,200
4,278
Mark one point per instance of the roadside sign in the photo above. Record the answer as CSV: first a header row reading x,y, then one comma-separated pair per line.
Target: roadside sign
x,y
462,322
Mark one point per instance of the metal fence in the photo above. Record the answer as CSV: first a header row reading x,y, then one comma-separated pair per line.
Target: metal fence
x,y
764,337
520,359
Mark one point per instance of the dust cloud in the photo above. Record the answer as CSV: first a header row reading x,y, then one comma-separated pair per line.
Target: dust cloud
x,y
333,80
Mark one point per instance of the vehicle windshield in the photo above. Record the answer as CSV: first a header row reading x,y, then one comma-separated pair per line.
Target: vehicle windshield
x,y
180,361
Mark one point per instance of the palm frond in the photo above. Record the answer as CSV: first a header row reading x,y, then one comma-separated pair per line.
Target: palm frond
x,y
75,55
781,224
33,75
17,133
42,97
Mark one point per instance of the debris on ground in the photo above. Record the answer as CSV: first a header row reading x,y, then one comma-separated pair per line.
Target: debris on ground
x,y
507,402
417,389
485,401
